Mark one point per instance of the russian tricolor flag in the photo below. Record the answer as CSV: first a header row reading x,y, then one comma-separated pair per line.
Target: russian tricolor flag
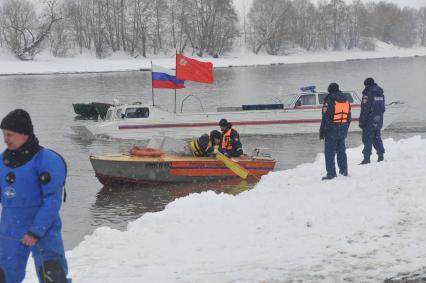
x,y
165,78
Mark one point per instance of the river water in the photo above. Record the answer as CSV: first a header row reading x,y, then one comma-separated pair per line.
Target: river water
x,y
49,100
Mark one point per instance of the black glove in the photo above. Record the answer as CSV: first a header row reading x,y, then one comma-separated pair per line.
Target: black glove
x,y
321,135
361,125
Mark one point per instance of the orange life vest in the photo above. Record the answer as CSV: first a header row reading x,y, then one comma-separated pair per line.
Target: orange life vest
x,y
341,112
226,140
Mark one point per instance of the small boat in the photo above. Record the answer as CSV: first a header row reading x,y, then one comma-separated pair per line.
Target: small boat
x,y
91,110
298,113
169,168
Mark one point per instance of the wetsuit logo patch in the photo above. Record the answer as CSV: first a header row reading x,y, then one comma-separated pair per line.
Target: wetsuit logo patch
x,y
9,192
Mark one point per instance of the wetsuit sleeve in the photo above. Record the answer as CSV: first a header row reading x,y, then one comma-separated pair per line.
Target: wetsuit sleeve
x,y
52,167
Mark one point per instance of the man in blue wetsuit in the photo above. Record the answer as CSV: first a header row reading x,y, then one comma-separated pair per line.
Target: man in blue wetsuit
x,y
336,118
371,120
31,182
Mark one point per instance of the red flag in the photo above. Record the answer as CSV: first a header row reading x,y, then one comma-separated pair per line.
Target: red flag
x,y
193,70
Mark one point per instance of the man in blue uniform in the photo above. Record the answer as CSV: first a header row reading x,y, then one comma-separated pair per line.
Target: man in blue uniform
x,y
336,118
371,119
31,182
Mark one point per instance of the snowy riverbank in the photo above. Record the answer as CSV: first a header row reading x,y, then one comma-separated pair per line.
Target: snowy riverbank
x,y
292,226
47,64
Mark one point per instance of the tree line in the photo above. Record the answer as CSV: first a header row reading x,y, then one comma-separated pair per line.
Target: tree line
x,y
277,24
202,27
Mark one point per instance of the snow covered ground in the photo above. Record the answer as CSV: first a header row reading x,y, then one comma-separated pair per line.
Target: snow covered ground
x,y
292,226
47,64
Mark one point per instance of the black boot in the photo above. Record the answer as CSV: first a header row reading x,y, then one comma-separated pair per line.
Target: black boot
x,y
380,158
343,172
328,177
366,160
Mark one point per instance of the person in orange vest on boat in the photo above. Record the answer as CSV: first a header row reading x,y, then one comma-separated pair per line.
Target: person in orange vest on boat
x,y
336,118
231,144
207,144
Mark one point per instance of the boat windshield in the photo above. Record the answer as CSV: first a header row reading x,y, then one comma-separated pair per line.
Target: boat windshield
x,y
137,112
288,100
307,99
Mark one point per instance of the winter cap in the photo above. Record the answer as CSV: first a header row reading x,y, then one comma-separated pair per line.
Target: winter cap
x,y
18,121
215,135
369,82
333,87
223,123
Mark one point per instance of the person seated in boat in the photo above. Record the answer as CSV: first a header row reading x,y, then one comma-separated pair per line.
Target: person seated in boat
x,y
207,144
231,144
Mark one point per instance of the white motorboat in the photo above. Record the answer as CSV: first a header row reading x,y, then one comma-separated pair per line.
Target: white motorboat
x,y
296,113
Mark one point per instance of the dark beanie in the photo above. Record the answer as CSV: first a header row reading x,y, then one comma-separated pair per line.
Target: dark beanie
x,y
215,135
333,87
369,82
223,123
18,121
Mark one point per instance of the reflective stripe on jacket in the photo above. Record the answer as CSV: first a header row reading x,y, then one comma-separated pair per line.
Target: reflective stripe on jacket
x,y
201,145
226,140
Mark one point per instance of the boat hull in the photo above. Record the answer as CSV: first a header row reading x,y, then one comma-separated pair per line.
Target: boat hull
x,y
189,125
121,168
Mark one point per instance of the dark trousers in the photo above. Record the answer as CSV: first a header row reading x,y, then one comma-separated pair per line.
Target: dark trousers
x,y
335,144
372,137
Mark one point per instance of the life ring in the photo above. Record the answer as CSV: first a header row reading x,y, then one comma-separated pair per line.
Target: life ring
x,y
145,152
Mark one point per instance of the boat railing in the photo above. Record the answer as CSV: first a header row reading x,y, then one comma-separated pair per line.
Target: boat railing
x,y
395,103
260,152
356,95
188,96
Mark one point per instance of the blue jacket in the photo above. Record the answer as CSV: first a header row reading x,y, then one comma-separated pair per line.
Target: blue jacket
x,y
328,111
372,107
28,202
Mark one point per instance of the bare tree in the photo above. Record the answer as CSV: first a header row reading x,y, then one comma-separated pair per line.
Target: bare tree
x,y
267,20
304,32
421,17
24,30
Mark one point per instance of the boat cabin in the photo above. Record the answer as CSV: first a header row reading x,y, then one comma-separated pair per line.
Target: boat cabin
x,y
317,98
127,111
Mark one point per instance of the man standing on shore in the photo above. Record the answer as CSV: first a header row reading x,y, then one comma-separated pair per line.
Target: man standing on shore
x,y
336,118
371,119
31,183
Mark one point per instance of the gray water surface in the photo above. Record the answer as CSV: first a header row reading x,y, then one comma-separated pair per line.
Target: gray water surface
x,y
49,100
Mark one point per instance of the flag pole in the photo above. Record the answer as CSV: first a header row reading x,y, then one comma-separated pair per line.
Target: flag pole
x,y
152,88
175,77
175,100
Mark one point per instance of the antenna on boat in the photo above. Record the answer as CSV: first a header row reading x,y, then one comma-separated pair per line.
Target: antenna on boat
x,y
152,88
